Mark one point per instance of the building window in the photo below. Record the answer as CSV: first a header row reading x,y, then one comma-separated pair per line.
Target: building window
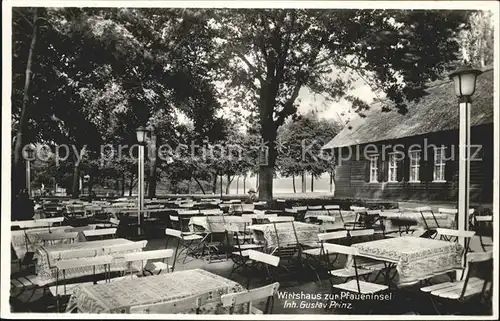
x,y
439,164
415,166
374,168
393,168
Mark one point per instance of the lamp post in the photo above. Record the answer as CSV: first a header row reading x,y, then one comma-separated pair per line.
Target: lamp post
x,y
465,85
29,157
142,132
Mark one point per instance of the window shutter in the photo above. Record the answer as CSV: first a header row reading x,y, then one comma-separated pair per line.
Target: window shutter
x,y
406,164
400,169
380,165
430,165
450,167
422,172
367,170
386,167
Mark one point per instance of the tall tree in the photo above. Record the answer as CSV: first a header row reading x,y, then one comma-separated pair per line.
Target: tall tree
x,y
477,41
269,55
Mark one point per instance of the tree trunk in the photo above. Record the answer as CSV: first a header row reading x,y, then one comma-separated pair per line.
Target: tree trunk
x,y
19,180
123,185
75,191
268,156
303,182
293,183
91,182
221,177
237,185
189,185
214,186
153,162
229,181
131,185
331,182
312,182
244,184
199,184
257,182
146,188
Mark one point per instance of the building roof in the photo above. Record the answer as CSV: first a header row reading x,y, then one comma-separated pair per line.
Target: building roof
x,y
435,112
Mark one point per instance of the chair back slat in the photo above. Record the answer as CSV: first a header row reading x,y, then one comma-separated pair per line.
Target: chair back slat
x,y
331,207
127,247
83,262
299,208
476,257
315,207
257,294
174,233
332,235
263,257
188,212
448,210
364,232
114,221
454,233
100,232
291,210
280,219
58,236
342,249
358,209
149,255
326,218
74,254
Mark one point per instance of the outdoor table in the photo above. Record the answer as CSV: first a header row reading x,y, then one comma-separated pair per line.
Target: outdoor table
x,y
119,297
393,220
415,258
215,224
307,234
47,256
28,240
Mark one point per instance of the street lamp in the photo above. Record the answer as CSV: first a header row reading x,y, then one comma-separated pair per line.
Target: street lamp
x,y
29,154
465,85
142,133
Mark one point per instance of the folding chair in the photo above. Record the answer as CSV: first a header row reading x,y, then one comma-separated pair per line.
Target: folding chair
x,y
100,233
266,292
240,255
188,243
332,210
351,276
184,305
64,265
427,210
483,226
359,218
318,255
300,212
260,262
53,238
466,289
150,267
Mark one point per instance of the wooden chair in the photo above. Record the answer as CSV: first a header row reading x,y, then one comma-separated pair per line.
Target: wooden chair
x,y
150,267
100,233
266,292
351,276
359,218
468,288
64,265
427,210
334,210
262,263
317,255
279,219
189,243
240,255
53,238
185,305
483,226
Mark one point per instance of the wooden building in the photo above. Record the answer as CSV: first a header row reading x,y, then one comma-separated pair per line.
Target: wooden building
x,y
390,156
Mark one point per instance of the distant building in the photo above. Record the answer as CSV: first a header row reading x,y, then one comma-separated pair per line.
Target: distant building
x,y
427,136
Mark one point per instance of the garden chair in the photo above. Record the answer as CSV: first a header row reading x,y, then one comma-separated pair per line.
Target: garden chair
x,y
188,243
240,255
154,267
266,292
467,288
262,264
100,233
351,276
315,258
